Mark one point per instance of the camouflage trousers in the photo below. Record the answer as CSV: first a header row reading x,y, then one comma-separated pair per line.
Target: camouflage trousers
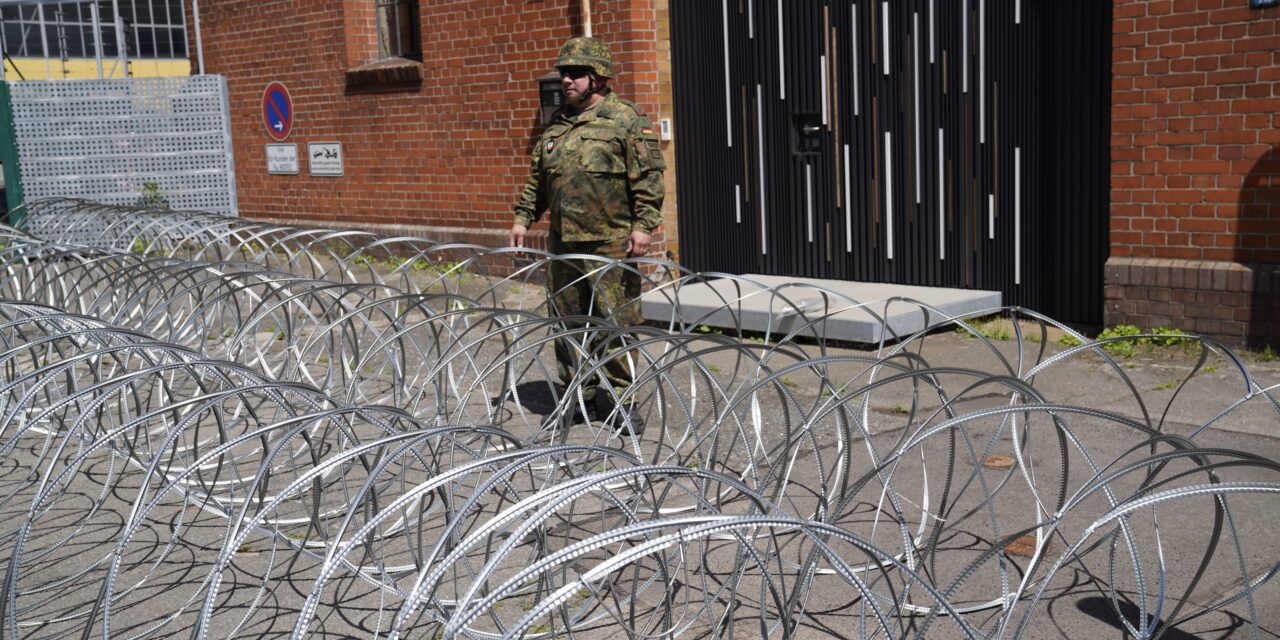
x,y
580,287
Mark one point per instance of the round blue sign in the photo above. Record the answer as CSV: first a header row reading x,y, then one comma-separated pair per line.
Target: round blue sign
x,y
277,111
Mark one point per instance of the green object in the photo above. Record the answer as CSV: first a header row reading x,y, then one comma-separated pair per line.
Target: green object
x,y
587,52
9,156
599,173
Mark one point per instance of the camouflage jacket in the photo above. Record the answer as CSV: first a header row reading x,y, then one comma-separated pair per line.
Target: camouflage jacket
x,y
599,173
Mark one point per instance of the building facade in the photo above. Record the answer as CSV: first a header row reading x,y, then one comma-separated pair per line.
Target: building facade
x,y
434,106
1195,173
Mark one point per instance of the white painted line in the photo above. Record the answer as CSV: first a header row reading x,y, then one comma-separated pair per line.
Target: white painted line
x,y
808,196
942,197
764,230
822,75
728,102
888,194
884,40
848,205
782,58
855,60
915,64
964,42
991,216
982,71
1017,215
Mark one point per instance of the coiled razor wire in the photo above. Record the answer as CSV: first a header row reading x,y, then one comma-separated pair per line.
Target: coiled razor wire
x,y
217,428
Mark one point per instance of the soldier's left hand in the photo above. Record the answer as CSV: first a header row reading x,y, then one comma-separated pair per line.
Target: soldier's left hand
x,y
638,244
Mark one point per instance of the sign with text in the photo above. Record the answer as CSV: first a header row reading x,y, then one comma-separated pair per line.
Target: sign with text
x,y
282,159
325,158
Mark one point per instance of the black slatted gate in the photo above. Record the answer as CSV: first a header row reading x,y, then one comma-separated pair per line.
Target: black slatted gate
x,y
956,143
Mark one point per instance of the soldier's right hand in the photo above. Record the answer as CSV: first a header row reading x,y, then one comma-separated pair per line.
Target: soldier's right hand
x,y
516,237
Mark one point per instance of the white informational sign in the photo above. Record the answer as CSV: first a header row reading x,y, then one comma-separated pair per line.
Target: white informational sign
x,y
325,158
282,158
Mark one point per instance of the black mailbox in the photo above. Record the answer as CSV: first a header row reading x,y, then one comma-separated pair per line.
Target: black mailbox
x,y
550,97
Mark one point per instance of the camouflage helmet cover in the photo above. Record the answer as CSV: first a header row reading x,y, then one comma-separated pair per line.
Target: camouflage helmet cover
x,y
587,52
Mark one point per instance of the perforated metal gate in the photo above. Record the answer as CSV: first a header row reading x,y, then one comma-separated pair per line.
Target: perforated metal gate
x,y
954,143
131,141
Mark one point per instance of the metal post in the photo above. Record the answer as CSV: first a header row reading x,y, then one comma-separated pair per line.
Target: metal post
x,y
44,43
9,156
97,36
122,50
195,8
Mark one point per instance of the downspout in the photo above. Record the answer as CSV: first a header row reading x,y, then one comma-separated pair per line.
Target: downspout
x,y
195,9
97,36
586,18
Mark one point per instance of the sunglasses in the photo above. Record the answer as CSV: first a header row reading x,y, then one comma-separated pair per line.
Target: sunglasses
x,y
574,73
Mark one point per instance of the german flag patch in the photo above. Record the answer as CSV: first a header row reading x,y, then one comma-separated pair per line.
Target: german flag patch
x,y
647,131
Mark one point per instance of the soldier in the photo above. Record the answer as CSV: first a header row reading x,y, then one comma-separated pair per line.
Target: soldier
x,y
598,169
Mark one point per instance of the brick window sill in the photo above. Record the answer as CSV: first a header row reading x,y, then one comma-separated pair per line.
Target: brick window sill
x,y
388,74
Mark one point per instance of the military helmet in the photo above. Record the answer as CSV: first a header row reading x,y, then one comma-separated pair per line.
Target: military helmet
x,y
587,52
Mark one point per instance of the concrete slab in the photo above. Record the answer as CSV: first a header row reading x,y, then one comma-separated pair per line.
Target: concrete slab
x,y
835,309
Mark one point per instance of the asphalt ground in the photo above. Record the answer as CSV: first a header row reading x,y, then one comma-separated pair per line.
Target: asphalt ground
x,y
809,443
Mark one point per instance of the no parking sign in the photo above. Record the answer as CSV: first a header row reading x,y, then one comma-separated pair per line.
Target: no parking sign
x,y
277,111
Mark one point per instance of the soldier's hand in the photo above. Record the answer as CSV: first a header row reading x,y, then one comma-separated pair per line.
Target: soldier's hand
x,y
638,244
516,237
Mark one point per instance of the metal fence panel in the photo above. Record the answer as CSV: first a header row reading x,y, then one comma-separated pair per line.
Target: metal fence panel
x,y
127,141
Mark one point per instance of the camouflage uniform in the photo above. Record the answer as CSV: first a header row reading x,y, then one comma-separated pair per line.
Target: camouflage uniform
x,y
599,173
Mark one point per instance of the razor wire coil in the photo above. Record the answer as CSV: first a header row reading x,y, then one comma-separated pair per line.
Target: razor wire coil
x,y
306,432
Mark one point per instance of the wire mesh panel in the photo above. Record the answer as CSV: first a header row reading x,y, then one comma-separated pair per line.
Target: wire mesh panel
x,y
137,141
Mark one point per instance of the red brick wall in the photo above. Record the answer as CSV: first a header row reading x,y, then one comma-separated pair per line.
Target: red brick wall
x,y
449,153
1195,177
1195,130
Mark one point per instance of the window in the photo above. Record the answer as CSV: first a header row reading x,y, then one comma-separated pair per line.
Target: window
x,y
152,29
398,31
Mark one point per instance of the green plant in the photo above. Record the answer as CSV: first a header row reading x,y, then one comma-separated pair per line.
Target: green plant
x,y
1122,348
788,381
1068,340
153,195
140,246
1268,354
897,408
989,327
713,368
1167,337
339,249
1168,385
1210,369
997,333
